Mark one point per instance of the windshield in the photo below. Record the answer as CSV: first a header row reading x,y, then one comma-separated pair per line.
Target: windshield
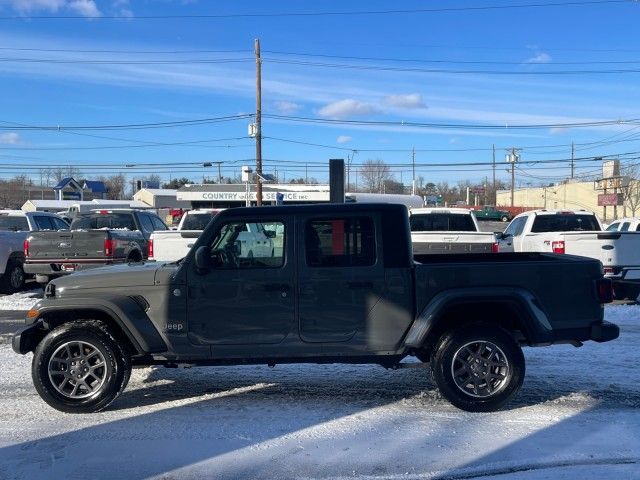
x,y
15,224
122,221
441,222
565,223
197,221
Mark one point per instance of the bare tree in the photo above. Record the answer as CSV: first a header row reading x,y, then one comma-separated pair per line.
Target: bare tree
x,y
374,173
115,186
58,173
631,194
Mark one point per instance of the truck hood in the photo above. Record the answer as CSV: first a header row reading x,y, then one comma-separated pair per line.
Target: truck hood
x,y
117,276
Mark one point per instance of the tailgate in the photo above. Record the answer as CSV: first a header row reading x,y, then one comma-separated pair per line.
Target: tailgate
x,y
603,246
173,245
425,243
75,244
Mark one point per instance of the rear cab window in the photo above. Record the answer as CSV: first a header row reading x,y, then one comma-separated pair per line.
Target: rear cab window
x,y
441,222
340,242
13,223
562,222
96,221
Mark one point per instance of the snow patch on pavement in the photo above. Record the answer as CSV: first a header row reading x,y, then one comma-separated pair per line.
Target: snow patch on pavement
x,y
21,300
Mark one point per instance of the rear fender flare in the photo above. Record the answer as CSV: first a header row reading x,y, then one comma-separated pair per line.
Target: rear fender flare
x,y
535,323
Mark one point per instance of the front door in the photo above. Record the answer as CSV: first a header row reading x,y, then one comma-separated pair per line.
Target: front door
x,y
340,276
247,296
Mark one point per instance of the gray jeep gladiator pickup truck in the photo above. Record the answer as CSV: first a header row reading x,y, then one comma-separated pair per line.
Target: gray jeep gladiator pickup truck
x,y
341,286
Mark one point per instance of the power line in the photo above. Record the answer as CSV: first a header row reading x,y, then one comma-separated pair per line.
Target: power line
x,y
130,126
298,119
448,61
479,8
126,62
382,68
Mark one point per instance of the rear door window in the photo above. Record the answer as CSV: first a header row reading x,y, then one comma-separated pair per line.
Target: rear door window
x,y
340,242
157,223
43,223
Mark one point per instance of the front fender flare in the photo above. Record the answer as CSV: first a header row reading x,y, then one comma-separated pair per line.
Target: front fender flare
x,y
125,311
536,325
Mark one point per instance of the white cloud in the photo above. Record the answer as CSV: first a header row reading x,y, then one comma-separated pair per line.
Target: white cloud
x,y
9,138
344,139
287,108
347,108
411,100
558,130
86,8
539,57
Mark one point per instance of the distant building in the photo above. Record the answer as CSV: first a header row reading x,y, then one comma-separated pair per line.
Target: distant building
x,y
69,189
160,198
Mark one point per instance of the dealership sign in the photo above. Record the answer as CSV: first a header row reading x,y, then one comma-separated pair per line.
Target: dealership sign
x,y
610,199
267,196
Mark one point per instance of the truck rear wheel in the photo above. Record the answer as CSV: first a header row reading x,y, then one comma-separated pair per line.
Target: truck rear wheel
x,y
13,279
505,218
478,368
79,367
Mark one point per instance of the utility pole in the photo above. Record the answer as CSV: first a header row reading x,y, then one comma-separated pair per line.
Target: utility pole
x,y
306,174
495,192
413,168
512,158
258,124
572,159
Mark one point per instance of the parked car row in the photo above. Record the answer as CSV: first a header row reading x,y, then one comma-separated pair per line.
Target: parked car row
x,y
98,238
15,227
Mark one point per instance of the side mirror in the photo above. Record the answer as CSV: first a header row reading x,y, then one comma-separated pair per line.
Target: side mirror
x,y
270,233
499,235
203,259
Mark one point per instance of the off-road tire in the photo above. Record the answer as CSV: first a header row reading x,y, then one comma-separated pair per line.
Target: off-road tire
x,y
117,369
446,356
13,279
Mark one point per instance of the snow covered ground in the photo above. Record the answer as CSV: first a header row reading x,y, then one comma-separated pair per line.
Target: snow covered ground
x,y
577,416
20,300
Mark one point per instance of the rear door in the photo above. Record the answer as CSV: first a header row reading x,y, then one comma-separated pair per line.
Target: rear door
x,y
341,275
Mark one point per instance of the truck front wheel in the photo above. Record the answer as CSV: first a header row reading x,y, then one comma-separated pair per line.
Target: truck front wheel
x,y
79,367
478,368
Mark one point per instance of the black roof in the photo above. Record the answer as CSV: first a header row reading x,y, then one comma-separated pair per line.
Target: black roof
x,y
317,208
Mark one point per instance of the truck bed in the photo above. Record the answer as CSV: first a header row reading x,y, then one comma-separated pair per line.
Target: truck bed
x,y
533,272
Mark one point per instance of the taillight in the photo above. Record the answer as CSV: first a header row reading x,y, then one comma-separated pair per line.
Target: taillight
x,y
495,247
25,248
604,287
150,249
557,246
109,245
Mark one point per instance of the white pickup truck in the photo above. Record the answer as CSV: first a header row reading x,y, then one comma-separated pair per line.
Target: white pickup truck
x,y
15,226
448,230
625,225
578,232
171,245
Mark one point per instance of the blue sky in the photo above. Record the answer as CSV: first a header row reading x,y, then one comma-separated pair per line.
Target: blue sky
x,y
53,92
